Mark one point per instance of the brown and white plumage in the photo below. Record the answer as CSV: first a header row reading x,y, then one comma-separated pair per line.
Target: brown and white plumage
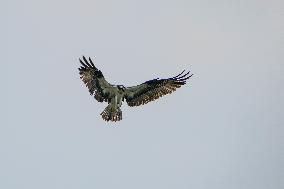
x,y
154,89
134,96
94,79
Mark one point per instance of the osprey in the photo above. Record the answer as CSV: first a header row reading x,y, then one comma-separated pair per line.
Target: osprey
x,y
134,96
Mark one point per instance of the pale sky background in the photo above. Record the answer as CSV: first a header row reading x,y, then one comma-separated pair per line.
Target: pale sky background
x,y
223,130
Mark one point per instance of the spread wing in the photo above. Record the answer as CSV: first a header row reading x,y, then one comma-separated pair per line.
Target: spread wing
x,y
94,80
153,89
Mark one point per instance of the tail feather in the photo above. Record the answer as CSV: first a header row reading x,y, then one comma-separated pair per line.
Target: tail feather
x,y
112,114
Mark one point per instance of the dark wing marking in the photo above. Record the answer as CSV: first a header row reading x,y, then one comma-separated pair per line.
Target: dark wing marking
x,y
153,89
94,80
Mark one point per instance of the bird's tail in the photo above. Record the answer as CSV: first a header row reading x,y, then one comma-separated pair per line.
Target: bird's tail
x,y
112,113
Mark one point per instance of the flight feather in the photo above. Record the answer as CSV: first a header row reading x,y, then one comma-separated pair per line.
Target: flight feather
x,y
93,79
154,89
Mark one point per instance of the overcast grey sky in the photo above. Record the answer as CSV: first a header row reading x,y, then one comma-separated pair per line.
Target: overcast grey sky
x,y
223,130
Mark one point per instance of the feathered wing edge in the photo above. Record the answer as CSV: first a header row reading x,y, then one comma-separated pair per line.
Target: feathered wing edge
x,y
93,78
154,89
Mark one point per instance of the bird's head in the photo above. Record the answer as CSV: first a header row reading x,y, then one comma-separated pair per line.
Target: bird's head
x,y
121,87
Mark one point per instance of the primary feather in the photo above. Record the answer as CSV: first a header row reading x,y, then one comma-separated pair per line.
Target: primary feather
x,y
115,94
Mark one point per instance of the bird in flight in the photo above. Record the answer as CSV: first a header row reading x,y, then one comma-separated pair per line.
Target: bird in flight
x,y
138,95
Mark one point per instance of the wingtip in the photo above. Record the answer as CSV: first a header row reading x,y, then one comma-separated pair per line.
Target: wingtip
x,y
91,62
83,64
87,62
179,74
